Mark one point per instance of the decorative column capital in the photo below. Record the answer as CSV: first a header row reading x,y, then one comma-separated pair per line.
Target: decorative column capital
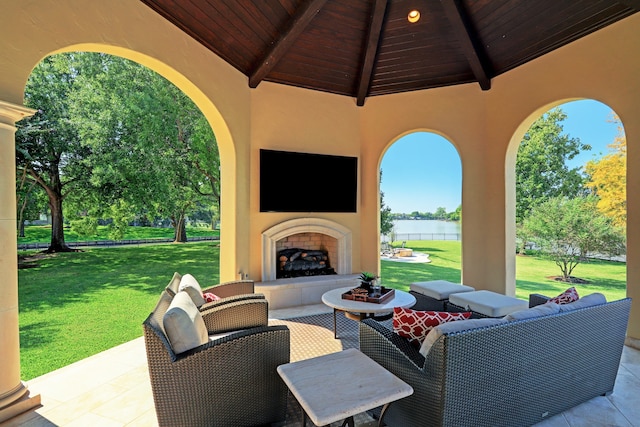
x,y
12,113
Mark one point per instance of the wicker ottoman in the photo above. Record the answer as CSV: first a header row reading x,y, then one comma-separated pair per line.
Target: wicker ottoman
x,y
433,295
485,304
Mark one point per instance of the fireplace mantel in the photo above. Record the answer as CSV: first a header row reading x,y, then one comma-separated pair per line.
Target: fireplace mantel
x,y
291,227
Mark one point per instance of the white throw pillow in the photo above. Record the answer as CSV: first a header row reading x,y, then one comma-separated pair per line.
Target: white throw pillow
x,y
189,284
183,324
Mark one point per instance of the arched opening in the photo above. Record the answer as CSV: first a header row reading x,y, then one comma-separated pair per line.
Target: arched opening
x,y
421,193
71,294
569,163
224,139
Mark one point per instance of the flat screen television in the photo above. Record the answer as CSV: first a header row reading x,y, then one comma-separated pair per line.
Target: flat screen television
x,y
305,182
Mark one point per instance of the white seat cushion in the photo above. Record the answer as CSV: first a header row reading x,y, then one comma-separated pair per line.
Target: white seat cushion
x,y
489,303
183,324
451,327
439,289
189,284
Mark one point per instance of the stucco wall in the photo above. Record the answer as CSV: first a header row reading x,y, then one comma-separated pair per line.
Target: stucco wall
x,y
292,119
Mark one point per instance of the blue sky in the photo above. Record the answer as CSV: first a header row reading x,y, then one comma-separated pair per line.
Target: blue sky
x,y
422,171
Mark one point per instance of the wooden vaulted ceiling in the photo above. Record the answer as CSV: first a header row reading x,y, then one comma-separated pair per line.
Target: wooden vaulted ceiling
x,y
362,48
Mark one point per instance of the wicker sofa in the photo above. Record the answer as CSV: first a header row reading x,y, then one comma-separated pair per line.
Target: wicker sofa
x,y
503,372
230,380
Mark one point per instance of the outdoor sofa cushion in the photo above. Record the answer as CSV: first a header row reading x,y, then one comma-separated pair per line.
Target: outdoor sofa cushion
x,y
538,310
451,327
174,284
586,301
189,284
489,303
439,289
183,324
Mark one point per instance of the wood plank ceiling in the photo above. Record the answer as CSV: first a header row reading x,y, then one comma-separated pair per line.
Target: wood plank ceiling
x,y
362,48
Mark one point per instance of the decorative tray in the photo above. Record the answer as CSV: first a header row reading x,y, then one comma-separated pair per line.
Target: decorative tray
x,y
365,295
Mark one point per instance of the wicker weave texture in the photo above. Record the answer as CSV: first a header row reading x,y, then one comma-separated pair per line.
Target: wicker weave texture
x,y
234,315
513,374
427,303
537,299
228,289
231,381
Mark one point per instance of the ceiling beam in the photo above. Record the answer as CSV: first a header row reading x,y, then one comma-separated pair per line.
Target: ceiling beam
x,y
468,40
371,50
635,4
296,25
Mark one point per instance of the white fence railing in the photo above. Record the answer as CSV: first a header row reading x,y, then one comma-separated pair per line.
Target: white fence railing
x,y
399,237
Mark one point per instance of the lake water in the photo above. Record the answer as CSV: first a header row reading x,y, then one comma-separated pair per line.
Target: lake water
x,y
407,229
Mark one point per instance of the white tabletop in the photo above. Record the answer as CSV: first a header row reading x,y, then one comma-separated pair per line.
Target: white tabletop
x,y
334,299
339,385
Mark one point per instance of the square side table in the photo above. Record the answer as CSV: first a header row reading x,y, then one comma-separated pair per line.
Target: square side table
x,y
339,385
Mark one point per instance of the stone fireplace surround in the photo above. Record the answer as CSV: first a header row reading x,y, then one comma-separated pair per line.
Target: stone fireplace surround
x,y
297,291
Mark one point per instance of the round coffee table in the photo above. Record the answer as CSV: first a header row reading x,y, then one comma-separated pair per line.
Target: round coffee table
x,y
358,310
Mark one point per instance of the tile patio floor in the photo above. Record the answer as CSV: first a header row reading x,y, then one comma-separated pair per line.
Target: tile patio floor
x,y
112,389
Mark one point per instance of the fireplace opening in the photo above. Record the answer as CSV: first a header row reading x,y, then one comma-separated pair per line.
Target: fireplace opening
x,y
313,234
297,262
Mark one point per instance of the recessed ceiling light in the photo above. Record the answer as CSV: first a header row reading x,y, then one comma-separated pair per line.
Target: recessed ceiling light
x,y
414,16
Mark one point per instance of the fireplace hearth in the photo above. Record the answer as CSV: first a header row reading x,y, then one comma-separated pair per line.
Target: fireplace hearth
x,y
297,262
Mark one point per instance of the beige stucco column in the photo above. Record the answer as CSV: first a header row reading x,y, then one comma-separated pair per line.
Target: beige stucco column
x,y
14,397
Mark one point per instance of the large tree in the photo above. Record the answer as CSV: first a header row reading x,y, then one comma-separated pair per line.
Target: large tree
x,y
608,179
112,139
568,230
152,149
48,149
541,168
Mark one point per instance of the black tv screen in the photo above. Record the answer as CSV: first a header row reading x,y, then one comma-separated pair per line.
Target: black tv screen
x,y
305,182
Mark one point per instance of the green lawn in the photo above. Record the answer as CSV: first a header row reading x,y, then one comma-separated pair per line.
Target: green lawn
x,y
38,234
74,305
77,304
532,272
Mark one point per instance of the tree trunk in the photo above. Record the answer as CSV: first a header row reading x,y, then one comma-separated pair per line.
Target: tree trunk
x,y
57,224
180,230
21,228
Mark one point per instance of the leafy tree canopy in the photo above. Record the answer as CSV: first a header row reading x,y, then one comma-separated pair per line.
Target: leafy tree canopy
x,y
569,229
541,170
608,179
114,139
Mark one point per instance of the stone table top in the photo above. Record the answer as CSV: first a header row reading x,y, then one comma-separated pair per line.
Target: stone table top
x,y
340,385
334,299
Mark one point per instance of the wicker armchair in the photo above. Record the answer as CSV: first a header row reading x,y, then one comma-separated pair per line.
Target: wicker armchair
x,y
229,381
238,308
